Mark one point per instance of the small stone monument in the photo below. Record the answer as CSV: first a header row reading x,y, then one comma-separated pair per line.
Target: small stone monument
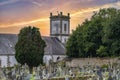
x,y
0,62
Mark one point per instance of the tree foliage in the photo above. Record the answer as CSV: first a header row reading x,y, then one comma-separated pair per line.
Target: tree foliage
x,y
97,37
30,47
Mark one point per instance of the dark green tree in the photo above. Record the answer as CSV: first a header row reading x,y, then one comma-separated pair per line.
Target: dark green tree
x,y
102,51
97,37
30,47
112,35
72,51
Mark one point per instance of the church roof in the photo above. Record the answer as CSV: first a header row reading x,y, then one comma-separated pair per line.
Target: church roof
x,y
53,45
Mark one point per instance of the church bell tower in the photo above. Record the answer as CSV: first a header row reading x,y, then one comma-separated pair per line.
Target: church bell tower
x,y
60,26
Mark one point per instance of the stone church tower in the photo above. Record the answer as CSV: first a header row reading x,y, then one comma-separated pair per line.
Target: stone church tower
x,y
60,26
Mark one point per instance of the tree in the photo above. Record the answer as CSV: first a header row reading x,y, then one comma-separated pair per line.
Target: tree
x,y
72,51
112,32
102,51
97,37
30,47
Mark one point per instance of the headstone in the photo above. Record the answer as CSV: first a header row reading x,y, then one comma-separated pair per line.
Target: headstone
x,y
28,77
44,74
2,76
66,78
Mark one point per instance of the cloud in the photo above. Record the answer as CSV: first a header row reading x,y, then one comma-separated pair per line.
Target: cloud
x,y
25,22
76,14
36,12
89,10
8,2
38,4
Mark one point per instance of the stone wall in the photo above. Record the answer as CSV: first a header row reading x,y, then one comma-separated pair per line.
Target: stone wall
x,y
80,62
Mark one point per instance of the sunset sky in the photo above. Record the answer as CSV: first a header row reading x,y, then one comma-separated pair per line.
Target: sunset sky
x,y
15,14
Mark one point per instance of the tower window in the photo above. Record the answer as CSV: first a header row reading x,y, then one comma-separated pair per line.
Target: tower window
x,y
56,26
65,26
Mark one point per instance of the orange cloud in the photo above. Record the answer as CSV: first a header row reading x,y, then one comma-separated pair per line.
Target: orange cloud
x,y
77,17
25,23
77,13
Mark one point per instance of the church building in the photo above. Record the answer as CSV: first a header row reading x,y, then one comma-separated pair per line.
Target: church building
x,y
55,43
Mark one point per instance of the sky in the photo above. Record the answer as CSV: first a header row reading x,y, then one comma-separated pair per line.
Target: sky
x,y
16,14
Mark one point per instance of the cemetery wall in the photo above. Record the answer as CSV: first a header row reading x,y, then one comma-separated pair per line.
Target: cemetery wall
x,y
47,58
80,62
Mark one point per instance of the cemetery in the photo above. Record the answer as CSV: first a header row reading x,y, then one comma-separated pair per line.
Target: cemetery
x,y
60,71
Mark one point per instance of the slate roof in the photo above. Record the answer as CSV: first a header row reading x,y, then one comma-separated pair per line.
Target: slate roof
x,y
53,45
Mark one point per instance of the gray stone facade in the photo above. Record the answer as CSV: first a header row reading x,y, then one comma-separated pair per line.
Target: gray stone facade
x,y
60,26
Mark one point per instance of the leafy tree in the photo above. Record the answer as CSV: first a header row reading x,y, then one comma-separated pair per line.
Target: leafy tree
x,y
30,47
71,51
97,36
102,51
111,37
